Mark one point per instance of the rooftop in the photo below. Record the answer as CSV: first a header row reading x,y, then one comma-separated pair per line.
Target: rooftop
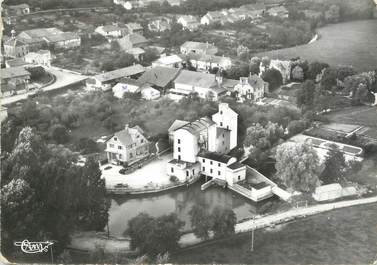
x,y
215,156
159,76
194,45
16,62
197,126
119,73
128,135
12,72
171,59
196,79
62,37
236,165
177,124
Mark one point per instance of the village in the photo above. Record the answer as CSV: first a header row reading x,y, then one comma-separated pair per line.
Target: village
x,y
177,97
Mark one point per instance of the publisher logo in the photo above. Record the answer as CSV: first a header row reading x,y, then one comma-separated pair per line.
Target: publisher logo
x,y
33,247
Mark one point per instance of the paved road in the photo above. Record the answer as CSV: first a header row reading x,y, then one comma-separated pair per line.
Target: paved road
x,y
63,79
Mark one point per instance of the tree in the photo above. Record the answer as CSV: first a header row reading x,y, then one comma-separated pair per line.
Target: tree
x,y
200,221
297,126
273,77
254,65
155,236
150,55
298,73
58,133
335,166
263,137
333,14
224,221
315,69
305,95
328,81
297,166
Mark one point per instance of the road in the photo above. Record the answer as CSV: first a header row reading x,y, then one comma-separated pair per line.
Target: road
x,y
63,78
88,240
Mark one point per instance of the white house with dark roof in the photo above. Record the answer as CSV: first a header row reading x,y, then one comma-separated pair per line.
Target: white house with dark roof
x,y
109,31
127,146
190,47
207,86
173,61
206,62
160,77
15,48
200,147
189,22
251,88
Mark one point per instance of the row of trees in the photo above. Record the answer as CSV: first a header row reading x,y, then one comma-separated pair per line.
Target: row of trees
x,y
45,195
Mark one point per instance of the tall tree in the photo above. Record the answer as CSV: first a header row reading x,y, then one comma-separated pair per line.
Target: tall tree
x,y
297,166
224,221
273,77
335,167
200,221
305,95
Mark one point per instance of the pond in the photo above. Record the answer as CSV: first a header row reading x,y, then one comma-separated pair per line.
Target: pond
x,y
179,201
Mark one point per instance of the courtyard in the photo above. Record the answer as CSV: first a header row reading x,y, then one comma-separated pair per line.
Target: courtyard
x,y
151,175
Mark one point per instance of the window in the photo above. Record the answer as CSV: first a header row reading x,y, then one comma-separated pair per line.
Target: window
x,y
218,173
142,141
221,112
223,135
119,147
179,141
111,145
223,142
227,127
211,162
203,169
187,173
179,157
179,149
204,160
239,177
120,156
193,172
172,170
219,164
221,123
131,155
115,138
211,170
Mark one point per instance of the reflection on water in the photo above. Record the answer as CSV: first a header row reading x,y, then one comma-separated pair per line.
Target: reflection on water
x,y
179,201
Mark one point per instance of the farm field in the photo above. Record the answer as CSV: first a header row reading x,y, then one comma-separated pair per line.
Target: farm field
x,y
351,43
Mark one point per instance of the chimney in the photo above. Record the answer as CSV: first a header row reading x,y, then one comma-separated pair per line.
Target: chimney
x,y
13,33
126,127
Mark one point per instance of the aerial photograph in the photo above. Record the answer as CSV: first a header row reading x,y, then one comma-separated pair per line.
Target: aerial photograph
x,y
188,132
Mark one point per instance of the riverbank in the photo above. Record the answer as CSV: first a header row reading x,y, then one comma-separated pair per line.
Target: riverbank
x,y
89,240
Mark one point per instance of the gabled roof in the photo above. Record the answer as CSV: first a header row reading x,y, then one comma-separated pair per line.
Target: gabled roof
x,y
197,126
215,156
62,37
196,79
41,32
128,136
189,18
159,76
134,39
119,73
177,124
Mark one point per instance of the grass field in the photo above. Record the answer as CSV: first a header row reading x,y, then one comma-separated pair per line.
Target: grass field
x,y
352,43
364,115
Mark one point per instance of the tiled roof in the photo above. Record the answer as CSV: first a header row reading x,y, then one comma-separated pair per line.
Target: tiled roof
x,y
119,73
130,135
236,165
215,156
159,76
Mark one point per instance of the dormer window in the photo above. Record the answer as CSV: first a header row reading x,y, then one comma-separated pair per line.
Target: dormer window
x,y
115,138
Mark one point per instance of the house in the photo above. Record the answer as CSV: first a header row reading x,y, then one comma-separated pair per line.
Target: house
x,y
16,62
133,40
188,22
109,31
126,85
104,81
134,28
160,77
175,2
150,93
65,40
251,88
200,147
17,10
211,18
173,61
206,86
42,57
14,80
37,38
190,47
160,24
14,47
127,146
278,11
205,62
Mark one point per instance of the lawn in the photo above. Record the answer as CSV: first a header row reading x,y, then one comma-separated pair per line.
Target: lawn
x,y
362,115
350,43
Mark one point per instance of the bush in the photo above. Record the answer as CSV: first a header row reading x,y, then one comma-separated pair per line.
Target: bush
x,y
58,133
87,146
174,179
